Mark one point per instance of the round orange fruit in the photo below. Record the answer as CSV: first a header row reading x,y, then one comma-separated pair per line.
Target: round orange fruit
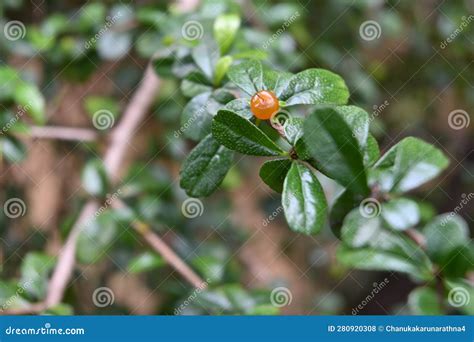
x,y
264,104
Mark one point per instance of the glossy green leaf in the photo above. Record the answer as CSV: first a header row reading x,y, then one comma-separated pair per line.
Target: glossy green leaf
x,y
145,262
276,81
240,106
293,129
315,86
205,167
96,237
35,269
342,205
372,151
206,55
273,173
225,29
359,231
445,233
94,178
407,165
358,121
329,140
194,84
248,76
303,200
424,301
221,68
239,134
401,213
197,116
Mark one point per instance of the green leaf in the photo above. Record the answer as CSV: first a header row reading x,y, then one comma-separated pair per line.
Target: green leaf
x,y
303,200
460,295
273,173
205,168
197,116
94,178
276,81
248,76
358,121
401,213
96,237
195,83
145,262
11,295
240,106
293,129
225,29
315,86
376,260
359,231
221,68
444,234
239,134
372,151
35,269
329,140
407,165
341,206
13,150
424,301
163,65
31,100
205,55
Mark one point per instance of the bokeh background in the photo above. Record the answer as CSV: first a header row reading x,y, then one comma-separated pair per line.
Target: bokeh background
x,y
413,70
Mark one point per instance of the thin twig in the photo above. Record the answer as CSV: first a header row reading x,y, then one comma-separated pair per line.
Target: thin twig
x,y
62,133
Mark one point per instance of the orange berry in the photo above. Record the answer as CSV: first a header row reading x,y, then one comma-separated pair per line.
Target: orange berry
x,y
264,104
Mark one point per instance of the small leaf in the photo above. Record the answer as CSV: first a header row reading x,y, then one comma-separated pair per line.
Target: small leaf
x,y
239,134
94,178
329,140
407,165
276,81
342,205
31,101
273,173
377,260
225,29
35,270
372,151
315,86
205,55
293,129
194,84
163,65
358,231
205,168
401,213
145,262
240,106
424,301
248,76
96,235
358,121
303,200
221,68
444,234
197,116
